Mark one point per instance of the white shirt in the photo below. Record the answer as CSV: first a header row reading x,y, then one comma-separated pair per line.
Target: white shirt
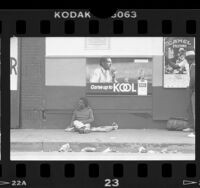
x,y
100,75
185,64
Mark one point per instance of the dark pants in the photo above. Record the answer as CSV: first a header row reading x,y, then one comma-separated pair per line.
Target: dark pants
x,y
191,108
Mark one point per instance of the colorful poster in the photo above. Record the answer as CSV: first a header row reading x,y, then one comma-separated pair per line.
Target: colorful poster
x,y
176,67
119,76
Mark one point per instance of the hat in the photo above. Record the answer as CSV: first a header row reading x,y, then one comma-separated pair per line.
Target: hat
x,y
181,50
190,53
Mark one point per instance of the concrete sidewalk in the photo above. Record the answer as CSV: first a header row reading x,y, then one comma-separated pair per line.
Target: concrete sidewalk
x,y
123,140
123,144
118,136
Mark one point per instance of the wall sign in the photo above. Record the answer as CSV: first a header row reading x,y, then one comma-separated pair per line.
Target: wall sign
x,y
14,64
176,67
118,76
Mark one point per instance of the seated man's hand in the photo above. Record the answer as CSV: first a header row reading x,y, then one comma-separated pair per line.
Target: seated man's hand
x,y
84,121
68,129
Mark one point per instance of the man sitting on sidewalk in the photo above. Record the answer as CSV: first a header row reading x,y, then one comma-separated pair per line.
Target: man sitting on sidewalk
x,y
83,117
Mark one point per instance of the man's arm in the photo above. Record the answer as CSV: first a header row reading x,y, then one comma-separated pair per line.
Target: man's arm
x,y
72,120
113,74
173,65
95,76
91,117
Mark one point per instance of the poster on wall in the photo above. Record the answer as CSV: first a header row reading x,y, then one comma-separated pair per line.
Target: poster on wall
x,y
176,67
119,76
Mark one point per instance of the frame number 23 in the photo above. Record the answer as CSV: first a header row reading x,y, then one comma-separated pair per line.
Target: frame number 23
x,y
111,183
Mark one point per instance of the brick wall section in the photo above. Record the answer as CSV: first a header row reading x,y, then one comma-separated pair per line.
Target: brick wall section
x,y
32,78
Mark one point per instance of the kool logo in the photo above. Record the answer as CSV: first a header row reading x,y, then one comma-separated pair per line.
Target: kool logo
x,y
123,87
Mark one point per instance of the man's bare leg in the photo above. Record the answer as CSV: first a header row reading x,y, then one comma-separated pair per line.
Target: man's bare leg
x,y
105,128
69,129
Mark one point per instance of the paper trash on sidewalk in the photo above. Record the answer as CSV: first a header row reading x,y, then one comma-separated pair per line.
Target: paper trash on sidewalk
x,y
107,150
165,150
142,150
88,149
65,148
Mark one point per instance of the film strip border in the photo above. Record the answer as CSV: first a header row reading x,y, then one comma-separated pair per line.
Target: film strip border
x,y
145,22
166,170
165,23
93,170
45,27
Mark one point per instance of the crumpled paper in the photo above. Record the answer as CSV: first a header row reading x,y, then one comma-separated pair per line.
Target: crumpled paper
x,y
88,149
65,148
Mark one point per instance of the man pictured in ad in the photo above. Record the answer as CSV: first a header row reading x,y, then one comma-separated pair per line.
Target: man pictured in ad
x,y
104,73
179,65
83,117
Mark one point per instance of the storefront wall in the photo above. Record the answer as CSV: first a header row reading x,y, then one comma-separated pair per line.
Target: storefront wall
x,y
44,106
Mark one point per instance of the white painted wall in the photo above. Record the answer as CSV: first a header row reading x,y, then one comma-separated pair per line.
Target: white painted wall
x,y
105,46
